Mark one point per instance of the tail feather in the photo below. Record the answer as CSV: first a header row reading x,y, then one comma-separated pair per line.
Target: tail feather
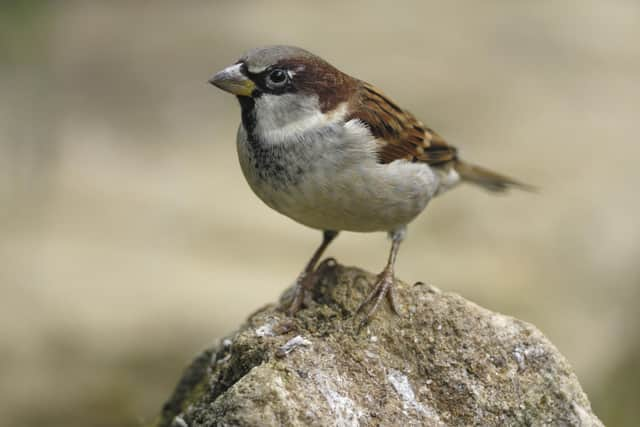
x,y
488,179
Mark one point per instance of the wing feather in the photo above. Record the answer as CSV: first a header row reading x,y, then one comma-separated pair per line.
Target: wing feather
x,y
400,134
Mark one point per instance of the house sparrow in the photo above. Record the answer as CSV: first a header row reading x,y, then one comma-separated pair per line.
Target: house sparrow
x,y
334,153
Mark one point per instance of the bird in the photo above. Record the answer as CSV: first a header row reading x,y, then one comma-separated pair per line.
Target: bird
x,y
334,153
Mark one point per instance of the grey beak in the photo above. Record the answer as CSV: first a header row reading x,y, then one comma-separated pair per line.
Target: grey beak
x,y
232,80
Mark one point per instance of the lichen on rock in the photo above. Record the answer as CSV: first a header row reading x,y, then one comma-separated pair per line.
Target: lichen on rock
x,y
445,361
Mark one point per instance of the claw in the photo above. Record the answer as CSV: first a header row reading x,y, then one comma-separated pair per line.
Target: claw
x,y
302,295
367,300
305,284
392,300
383,288
298,294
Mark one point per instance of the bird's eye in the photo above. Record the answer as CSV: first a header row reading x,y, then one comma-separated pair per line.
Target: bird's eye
x,y
277,78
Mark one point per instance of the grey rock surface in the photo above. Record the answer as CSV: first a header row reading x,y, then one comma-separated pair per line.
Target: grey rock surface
x,y
445,361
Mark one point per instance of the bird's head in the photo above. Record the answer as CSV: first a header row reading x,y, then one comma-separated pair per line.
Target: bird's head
x,y
281,85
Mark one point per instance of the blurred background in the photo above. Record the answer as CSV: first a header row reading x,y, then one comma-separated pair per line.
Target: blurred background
x,y
129,239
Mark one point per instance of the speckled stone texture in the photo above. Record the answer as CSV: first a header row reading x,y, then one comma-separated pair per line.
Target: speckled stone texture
x,y
446,361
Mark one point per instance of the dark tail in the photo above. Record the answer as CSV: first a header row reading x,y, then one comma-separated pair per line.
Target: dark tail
x,y
487,179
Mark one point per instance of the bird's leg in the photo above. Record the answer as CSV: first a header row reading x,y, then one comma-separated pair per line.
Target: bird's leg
x,y
384,284
305,281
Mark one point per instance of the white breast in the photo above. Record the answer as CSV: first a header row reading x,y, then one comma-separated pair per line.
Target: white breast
x,y
327,177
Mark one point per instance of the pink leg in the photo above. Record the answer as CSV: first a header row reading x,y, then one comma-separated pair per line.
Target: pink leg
x,y
305,281
384,284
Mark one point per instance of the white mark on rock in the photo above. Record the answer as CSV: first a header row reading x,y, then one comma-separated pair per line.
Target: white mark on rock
x,y
224,359
374,338
345,410
583,415
292,344
178,421
522,353
370,355
519,356
226,343
401,385
265,330
534,352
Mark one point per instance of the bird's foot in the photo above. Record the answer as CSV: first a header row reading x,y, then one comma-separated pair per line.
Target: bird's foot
x,y
305,284
300,293
382,288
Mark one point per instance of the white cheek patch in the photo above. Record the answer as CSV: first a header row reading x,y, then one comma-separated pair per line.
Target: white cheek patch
x,y
284,118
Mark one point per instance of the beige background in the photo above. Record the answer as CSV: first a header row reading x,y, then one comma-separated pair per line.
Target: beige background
x,y
129,239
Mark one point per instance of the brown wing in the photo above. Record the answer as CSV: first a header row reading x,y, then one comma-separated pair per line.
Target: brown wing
x,y
400,134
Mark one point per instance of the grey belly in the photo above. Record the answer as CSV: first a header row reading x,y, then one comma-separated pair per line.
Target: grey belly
x,y
366,198
330,185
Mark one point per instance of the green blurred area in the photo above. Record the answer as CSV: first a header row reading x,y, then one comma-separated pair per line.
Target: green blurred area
x,y
129,239
23,29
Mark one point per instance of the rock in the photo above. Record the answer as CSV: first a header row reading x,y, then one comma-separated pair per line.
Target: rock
x,y
445,361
